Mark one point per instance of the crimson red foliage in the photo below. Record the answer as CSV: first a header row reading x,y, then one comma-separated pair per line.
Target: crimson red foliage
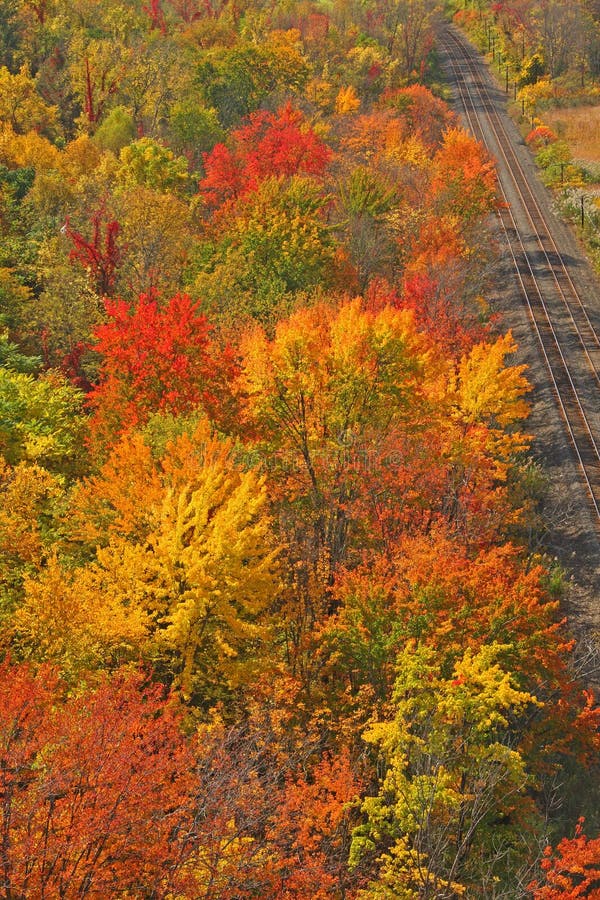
x,y
70,366
156,358
100,255
187,10
154,11
270,144
98,88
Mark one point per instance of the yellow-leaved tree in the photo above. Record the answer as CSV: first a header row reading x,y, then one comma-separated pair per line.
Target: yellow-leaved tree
x,y
213,546
490,392
485,407
451,805
30,505
76,618
186,586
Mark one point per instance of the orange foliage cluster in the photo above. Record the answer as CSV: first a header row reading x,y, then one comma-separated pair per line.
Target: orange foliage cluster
x,y
572,870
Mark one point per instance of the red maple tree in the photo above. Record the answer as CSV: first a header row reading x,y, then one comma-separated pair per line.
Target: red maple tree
x,y
99,254
156,358
269,144
571,870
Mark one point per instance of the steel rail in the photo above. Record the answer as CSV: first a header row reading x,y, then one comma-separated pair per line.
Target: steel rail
x,y
473,118
529,204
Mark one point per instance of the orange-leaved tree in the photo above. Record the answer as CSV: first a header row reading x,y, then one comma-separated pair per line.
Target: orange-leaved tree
x,y
571,870
463,177
97,790
324,400
269,824
181,569
370,430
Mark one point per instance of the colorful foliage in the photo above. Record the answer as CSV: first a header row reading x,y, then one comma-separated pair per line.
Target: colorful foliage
x,y
464,179
299,495
184,569
100,256
96,790
450,775
269,145
40,420
571,870
155,357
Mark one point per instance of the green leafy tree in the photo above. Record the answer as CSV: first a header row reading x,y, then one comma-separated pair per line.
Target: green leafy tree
x,y
146,162
116,130
236,80
11,32
194,129
276,244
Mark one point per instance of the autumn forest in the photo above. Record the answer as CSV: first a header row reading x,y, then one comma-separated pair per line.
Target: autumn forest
x,y
276,619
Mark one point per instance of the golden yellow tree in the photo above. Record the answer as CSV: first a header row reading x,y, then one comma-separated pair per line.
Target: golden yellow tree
x,y
186,576
214,543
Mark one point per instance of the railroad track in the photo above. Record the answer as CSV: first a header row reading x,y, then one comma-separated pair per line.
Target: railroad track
x,y
566,334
